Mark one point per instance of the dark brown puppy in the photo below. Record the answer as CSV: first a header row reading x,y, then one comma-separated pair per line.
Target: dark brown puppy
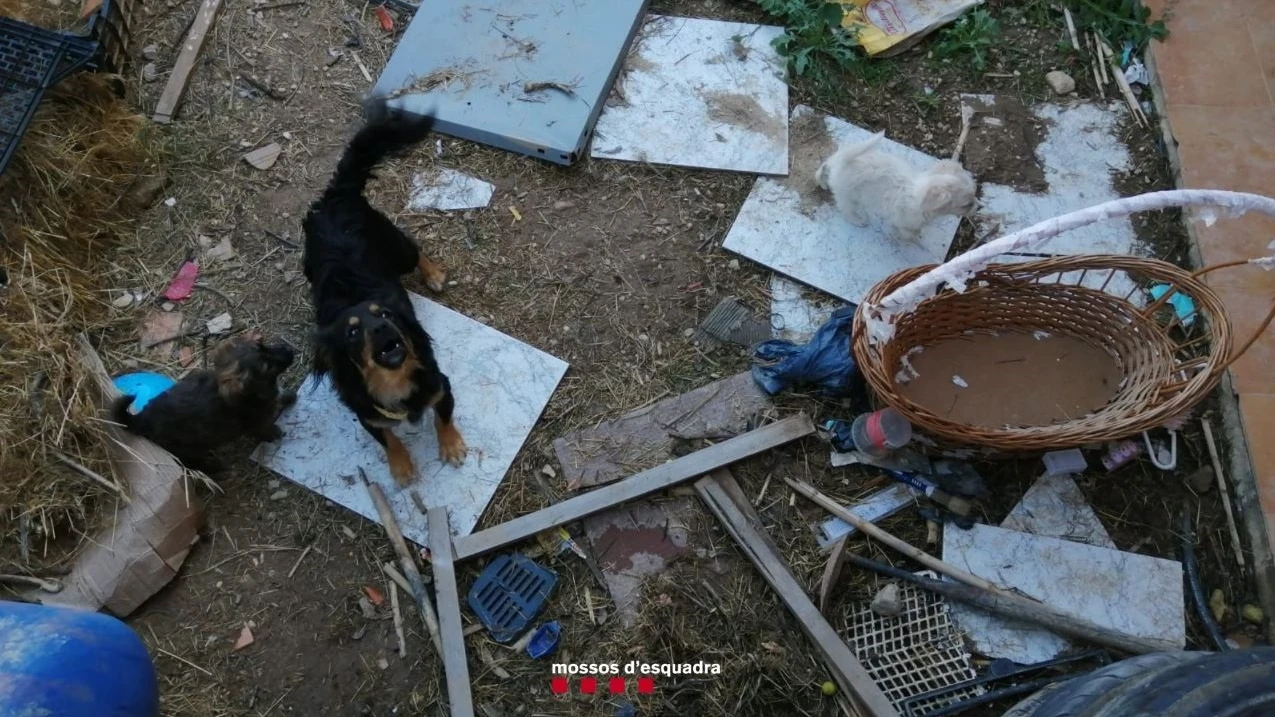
x,y
209,409
369,342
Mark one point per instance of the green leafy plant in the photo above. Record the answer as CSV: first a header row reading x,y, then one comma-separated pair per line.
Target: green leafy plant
x,y
1117,21
973,34
812,30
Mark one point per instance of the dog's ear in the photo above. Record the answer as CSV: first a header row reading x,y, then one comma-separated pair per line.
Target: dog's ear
x,y
821,175
937,196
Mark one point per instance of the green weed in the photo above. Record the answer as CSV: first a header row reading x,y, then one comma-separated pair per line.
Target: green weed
x,y
1117,21
812,32
973,34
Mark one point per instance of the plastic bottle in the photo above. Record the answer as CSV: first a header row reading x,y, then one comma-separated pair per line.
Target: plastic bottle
x,y
878,433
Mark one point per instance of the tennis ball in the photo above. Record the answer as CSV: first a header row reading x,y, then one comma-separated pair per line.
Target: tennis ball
x,y
829,688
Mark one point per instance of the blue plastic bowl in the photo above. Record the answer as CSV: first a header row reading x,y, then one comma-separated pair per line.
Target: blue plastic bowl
x,y
142,387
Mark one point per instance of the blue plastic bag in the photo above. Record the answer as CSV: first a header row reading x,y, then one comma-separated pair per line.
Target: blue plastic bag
x,y
825,364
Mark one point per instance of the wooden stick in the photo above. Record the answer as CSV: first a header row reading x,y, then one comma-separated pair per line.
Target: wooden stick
x,y
455,665
967,118
849,674
398,619
1224,490
1019,608
1071,30
649,481
872,531
831,572
1095,61
94,476
1102,56
200,29
1123,84
393,574
297,564
416,585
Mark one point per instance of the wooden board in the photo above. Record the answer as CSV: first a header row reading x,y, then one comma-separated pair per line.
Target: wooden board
x,y
180,77
649,481
753,541
450,626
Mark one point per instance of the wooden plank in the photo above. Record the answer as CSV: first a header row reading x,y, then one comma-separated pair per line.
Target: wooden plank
x,y
185,65
452,629
851,678
649,481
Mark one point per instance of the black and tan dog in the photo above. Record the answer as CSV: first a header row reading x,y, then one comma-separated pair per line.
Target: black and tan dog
x,y
369,341
209,409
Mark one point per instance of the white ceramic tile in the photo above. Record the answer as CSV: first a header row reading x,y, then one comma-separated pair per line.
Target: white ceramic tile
x,y
812,242
1128,593
1079,154
446,189
501,386
699,93
1054,507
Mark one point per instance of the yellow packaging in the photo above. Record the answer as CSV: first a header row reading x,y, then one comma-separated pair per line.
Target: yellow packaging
x,y
887,27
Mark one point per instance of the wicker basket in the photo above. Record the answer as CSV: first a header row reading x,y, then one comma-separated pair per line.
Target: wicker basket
x,y
1166,368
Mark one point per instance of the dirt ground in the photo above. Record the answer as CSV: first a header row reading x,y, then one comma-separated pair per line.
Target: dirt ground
x,y
606,265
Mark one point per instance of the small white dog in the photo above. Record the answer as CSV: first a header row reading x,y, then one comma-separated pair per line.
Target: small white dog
x,y
864,181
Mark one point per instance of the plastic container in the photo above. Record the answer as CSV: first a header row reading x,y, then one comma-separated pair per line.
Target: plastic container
x,y
142,387
1068,462
1121,453
72,663
878,433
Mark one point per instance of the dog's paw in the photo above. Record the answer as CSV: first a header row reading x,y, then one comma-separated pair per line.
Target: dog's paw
x,y
451,446
401,468
434,275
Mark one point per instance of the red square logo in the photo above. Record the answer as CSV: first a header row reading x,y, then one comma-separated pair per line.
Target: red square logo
x,y
588,685
617,685
646,685
559,685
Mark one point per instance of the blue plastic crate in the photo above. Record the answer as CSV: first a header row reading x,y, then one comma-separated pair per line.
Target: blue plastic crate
x,y
509,593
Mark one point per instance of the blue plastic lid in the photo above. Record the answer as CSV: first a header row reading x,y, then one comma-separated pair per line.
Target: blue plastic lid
x,y
545,640
509,593
142,387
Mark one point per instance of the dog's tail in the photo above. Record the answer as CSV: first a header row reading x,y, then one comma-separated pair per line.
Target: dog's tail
x,y
120,414
385,133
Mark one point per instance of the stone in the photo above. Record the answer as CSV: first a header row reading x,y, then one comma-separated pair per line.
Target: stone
x,y
1201,481
150,72
1061,82
1253,614
150,52
887,602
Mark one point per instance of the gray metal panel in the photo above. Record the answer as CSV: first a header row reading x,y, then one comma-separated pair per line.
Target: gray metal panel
x,y
469,63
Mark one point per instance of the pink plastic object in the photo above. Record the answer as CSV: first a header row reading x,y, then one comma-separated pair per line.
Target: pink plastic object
x,y
183,284
1120,454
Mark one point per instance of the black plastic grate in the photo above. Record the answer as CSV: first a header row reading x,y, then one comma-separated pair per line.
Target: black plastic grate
x,y
32,60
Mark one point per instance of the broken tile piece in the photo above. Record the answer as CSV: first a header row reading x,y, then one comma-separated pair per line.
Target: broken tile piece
x,y
219,324
793,226
264,157
1054,507
635,541
796,312
1129,593
699,93
646,437
448,189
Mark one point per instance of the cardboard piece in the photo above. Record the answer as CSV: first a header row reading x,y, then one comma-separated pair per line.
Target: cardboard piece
x,y
153,533
646,437
1016,379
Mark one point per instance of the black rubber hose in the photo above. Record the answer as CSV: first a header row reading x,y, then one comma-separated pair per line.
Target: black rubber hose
x,y
1192,570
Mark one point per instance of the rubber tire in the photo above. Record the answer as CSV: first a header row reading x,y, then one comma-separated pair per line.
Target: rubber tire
x,y
1238,683
1027,707
1073,697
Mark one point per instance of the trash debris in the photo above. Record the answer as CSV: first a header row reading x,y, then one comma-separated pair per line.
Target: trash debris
x,y
1253,614
793,315
878,506
731,321
245,639
887,601
1136,74
1120,453
545,640
183,283
824,364
1127,593
636,540
1068,462
161,327
679,100
219,324
263,158
509,593
448,190
876,434
955,504
887,28
143,387
374,596
1060,82
904,459
960,382
222,251
383,16
1182,304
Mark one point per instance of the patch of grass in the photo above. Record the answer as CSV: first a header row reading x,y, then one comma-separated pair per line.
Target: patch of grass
x,y
812,31
973,35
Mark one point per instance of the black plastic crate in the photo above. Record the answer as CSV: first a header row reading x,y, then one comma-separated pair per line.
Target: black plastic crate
x,y
33,59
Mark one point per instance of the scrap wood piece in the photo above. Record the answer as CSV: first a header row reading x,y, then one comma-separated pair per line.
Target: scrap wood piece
x,y
451,627
614,449
649,481
1223,490
832,572
166,108
849,674
415,584
152,534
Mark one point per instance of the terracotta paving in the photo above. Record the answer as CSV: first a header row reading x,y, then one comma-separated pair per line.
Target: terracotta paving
x,y
1217,70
